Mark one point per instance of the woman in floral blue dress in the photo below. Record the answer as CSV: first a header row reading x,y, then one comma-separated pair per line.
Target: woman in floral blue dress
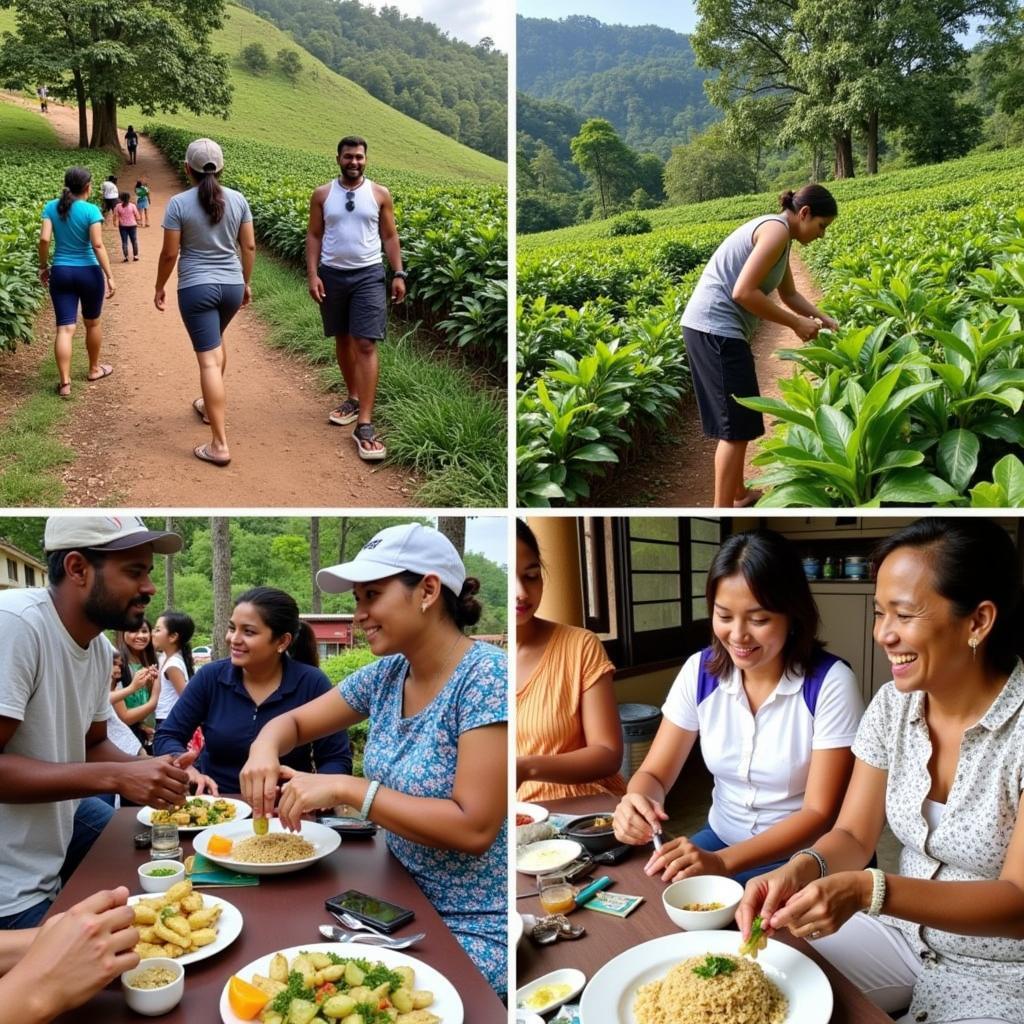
x,y
437,704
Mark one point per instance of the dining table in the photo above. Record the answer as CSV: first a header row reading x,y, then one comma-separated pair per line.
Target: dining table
x,y
607,936
282,911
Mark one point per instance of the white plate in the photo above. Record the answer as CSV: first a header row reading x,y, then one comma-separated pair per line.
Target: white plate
x,y
566,976
447,1005
547,855
535,811
515,932
325,839
242,810
608,999
229,926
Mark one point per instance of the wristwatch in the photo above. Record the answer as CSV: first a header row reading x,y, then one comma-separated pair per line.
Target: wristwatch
x,y
400,273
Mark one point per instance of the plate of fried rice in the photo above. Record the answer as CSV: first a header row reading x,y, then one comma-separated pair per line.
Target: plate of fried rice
x,y
276,853
697,977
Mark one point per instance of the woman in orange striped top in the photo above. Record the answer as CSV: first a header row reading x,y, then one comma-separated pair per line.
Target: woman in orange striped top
x,y
568,739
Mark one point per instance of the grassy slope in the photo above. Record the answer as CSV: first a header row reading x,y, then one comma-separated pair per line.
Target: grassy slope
x,y
20,127
317,111
738,208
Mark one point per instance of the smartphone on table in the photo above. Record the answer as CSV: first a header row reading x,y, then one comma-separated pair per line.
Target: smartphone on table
x,y
377,913
353,828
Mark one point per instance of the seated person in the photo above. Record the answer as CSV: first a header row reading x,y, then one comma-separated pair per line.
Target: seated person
x,y
568,736
272,669
776,715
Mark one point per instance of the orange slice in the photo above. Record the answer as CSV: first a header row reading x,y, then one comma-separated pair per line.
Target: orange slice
x,y
245,999
219,845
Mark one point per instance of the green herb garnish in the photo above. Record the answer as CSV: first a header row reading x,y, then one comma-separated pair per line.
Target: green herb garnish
x,y
715,965
757,941
296,990
162,872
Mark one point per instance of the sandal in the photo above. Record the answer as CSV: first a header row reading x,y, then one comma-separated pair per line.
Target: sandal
x,y
203,453
200,407
105,371
63,389
347,412
752,497
365,438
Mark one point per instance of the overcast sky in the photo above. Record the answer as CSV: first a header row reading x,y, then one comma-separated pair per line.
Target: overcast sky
x,y
468,20
488,536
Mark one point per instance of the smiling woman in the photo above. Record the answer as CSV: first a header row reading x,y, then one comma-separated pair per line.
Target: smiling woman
x,y
940,751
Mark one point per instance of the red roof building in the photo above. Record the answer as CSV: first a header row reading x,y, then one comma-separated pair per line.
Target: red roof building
x,y
333,632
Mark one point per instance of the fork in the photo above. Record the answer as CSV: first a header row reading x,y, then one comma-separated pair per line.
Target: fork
x,y
372,939
354,924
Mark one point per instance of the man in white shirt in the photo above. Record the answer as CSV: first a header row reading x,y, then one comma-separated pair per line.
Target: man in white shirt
x,y
55,757
351,219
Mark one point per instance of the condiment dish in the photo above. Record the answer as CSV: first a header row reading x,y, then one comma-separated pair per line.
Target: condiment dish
x,y
702,889
152,1002
558,986
161,882
547,855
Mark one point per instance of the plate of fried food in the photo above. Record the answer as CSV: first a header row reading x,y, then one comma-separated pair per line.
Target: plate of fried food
x,y
197,813
183,924
324,982
238,847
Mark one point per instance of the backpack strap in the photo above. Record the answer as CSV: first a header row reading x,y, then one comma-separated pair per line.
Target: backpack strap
x,y
706,682
820,665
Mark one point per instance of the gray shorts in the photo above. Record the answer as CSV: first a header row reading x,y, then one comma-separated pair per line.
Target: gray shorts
x,y
355,302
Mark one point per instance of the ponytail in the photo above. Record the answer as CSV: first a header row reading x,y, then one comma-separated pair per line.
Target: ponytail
x,y
76,181
304,646
211,197
183,627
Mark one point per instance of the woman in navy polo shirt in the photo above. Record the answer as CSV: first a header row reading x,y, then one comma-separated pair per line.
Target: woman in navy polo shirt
x,y
272,669
776,715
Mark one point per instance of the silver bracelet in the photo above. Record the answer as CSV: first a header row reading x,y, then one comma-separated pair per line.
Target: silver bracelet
x,y
371,792
877,891
818,859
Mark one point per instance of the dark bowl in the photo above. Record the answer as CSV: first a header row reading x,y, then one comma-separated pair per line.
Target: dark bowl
x,y
593,840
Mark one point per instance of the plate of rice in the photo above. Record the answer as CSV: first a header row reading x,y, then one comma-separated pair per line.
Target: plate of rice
x,y
695,977
276,853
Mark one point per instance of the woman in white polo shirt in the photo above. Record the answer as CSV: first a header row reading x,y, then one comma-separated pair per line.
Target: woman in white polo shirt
x,y
776,715
940,754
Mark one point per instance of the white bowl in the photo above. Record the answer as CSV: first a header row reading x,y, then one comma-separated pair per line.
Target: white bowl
x,y
547,855
702,889
534,811
160,883
153,1001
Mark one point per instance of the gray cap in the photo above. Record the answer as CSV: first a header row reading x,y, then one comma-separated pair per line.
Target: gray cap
x,y
204,155
411,547
106,533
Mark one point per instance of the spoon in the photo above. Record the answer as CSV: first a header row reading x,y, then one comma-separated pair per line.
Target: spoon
x,y
328,931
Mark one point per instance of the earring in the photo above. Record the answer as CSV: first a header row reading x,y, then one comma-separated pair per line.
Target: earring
x,y
973,644
423,608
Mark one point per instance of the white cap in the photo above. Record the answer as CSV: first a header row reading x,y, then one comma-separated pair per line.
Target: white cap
x,y
106,533
204,155
410,547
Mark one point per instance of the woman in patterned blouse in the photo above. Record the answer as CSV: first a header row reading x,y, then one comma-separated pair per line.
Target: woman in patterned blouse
x,y
436,765
940,753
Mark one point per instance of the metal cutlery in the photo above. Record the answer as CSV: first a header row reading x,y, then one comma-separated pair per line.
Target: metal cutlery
x,y
328,931
354,924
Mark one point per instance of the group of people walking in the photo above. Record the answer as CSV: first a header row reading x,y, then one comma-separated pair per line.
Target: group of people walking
x,y
273,728
209,237
805,777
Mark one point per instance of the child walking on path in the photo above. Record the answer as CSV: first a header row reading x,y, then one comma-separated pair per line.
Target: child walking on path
x,y
142,200
127,224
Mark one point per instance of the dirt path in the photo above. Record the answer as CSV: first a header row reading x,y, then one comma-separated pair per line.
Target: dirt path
x,y
676,470
133,432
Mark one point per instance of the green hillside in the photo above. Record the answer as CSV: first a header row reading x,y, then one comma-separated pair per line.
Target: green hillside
x,y
315,112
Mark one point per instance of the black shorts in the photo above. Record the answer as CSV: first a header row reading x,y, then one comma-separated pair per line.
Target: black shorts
x,y
109,205
355,302
722,367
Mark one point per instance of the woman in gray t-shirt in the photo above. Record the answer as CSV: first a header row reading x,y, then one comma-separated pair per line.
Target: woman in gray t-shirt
x,y
723,312
210,228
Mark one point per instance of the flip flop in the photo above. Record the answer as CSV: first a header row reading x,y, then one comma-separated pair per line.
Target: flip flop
x,y
364,435
200,407
105,371
752,498
202,452
61,393
347,412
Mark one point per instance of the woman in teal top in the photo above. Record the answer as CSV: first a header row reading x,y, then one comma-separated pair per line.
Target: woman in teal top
x,y
80,268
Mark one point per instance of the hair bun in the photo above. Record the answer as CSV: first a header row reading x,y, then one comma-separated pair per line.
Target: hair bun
x,y
786,199
468,607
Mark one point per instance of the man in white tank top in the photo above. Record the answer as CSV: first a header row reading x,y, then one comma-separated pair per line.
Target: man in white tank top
x,y
351,220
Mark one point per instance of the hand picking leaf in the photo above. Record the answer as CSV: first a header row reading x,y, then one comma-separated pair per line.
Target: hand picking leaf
x,y
757,941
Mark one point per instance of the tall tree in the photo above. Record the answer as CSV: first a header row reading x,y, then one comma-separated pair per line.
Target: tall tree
x,y
314,562
169,567
605,159
106,53
454,528
220,531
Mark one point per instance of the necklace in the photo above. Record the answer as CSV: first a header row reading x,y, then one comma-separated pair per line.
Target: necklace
x,y
443,671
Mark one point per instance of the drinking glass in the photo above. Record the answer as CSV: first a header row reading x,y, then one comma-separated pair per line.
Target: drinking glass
x,y
557,895
165,844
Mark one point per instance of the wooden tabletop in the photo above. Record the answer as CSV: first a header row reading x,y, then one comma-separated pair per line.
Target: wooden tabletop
x,y
606,936
282,911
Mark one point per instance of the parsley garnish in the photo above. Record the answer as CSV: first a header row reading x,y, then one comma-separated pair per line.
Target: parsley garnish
x,y
715,965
